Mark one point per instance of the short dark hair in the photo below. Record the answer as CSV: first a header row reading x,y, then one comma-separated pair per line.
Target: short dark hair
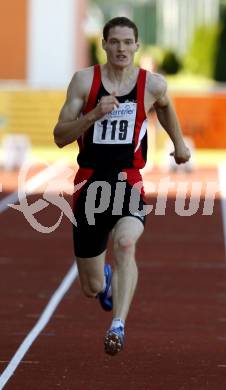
x,y
122,22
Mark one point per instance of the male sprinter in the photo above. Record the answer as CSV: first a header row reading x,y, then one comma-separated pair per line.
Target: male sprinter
x,y
106,111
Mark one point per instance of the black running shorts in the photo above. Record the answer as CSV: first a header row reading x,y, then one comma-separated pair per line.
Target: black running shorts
x,y
101,201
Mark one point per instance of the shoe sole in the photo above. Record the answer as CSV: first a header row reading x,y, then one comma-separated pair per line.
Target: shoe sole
x,y
112,344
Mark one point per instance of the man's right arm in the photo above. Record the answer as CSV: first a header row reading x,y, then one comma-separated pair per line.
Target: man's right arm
x,y
70,125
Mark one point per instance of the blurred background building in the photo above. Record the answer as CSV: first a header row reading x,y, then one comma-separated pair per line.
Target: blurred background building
x,y
167,23
42,42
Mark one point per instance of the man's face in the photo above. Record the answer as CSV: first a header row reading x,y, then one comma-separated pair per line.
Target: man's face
x,y
120,46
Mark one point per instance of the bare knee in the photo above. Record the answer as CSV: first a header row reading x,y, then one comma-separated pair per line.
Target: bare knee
x,y
91,288
124,245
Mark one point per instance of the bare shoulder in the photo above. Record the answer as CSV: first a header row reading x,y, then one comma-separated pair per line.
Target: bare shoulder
x,y
156,85
80,83
77,93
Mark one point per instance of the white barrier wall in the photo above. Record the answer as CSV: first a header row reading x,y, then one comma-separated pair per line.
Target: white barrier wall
x,y
51,42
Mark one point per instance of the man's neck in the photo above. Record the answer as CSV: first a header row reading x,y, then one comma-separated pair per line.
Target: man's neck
x,y
118,75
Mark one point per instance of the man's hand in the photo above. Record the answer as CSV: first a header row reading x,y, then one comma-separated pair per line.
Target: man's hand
x,y
106,105
181,154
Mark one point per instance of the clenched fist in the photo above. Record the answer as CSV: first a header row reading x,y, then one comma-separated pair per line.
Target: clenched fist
x,y
181,154
106,105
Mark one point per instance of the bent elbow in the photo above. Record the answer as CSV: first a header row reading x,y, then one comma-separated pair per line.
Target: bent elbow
x,y
59,142
57,139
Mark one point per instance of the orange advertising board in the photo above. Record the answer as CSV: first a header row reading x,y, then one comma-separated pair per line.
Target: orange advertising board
x,y
203,118
13,39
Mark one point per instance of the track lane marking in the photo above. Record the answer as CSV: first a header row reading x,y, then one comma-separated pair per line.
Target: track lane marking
x,y
40,325
32,184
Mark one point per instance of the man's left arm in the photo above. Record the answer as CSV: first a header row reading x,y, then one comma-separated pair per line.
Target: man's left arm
x,y
168,119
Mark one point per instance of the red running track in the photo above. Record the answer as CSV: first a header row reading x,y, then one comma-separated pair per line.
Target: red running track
x,y
176,330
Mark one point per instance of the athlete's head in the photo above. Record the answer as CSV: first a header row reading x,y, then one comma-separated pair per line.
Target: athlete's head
x,y
120,41
120,21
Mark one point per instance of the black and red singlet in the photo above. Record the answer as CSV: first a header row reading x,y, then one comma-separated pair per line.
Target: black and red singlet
x,y
119,139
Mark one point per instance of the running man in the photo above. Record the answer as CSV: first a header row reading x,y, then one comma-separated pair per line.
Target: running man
x,y
106,112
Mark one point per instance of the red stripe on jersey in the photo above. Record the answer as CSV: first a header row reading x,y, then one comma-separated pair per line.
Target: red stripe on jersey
x,y
92,98
81,175
134,178
138,161
94,89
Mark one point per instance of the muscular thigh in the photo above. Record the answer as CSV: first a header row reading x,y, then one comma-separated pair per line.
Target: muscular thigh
x,y
129,228
91,268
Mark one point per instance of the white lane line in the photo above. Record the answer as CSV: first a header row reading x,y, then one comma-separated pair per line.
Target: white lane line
x,y
222,183
40,325
44,176
32,184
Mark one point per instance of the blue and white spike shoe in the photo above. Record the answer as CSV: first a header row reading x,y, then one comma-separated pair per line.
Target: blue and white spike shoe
x,y
114,340
104,298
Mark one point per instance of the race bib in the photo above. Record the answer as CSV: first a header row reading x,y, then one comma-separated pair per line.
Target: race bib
x,y
116,127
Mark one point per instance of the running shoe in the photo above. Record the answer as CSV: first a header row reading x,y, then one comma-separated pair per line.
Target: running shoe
x,y
114,341
105,301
